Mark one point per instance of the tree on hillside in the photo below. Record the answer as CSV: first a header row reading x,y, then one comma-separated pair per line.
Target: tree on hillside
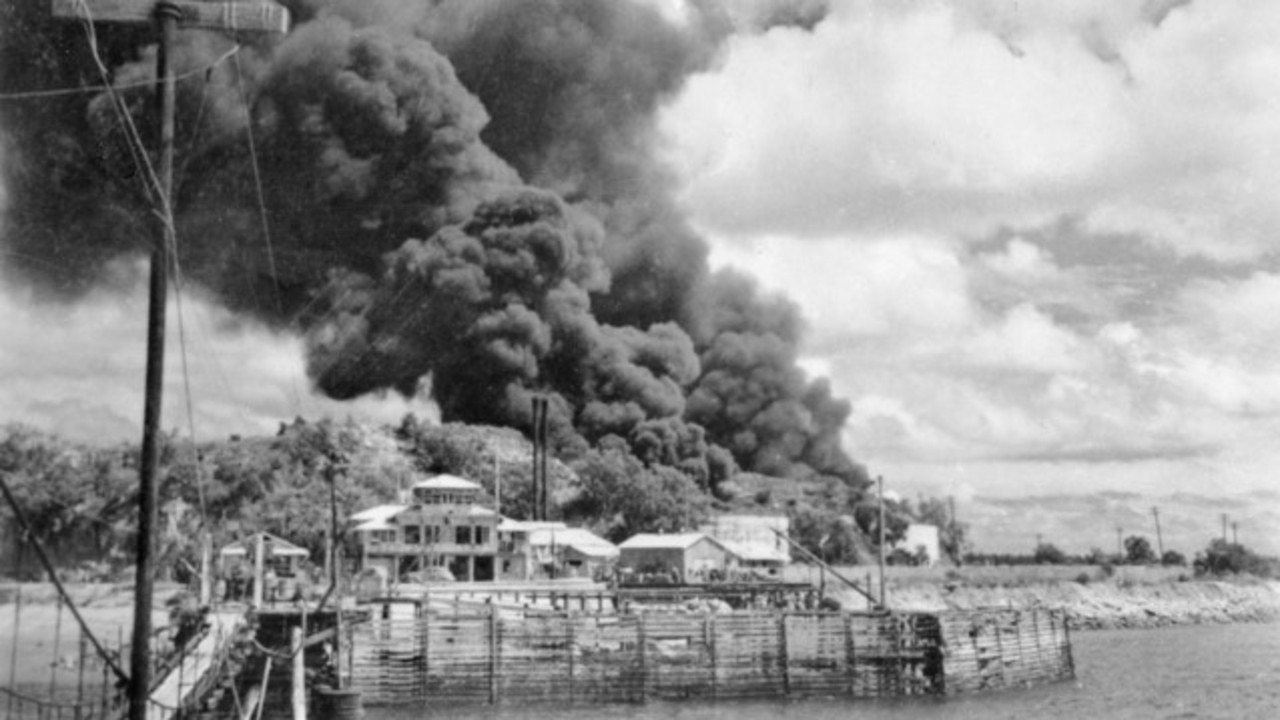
x,y
1137,551
623,497
824,534
78,500
1173,558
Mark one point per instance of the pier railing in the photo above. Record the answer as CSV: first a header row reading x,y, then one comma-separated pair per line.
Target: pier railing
x,y
492,657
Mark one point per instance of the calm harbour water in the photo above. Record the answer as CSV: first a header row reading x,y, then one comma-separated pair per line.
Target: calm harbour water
x,y
1230,671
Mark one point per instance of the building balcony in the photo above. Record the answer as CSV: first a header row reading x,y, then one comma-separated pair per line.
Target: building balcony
x,y
440,548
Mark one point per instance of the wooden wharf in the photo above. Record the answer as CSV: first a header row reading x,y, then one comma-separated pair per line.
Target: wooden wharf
x,y
492,657
197,669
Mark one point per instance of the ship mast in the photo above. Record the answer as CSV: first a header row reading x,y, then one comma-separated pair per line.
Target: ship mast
x,y
167,15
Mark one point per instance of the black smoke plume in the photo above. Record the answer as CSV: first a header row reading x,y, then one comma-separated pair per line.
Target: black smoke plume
x,y
462,199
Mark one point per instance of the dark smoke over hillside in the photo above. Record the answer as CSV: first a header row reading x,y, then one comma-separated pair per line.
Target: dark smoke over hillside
x,y
462,199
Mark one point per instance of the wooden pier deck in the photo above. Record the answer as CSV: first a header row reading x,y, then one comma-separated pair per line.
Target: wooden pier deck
x,y
192,675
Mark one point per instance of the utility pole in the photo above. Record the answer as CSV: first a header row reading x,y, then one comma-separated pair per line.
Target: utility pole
x,y
1155,511
1224,527
167,16
955,542
1235,539
880,482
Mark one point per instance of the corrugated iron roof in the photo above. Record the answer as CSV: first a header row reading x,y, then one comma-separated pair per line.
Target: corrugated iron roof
x,y
446,482
380,513
678,541
580,539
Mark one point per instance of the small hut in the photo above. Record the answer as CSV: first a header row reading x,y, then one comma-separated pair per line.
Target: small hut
x,y
691,557
279,555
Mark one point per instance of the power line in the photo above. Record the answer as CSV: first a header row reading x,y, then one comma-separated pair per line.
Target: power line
x,y
63,92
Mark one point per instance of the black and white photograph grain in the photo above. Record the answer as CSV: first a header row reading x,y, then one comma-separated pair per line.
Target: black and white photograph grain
x,y
639,359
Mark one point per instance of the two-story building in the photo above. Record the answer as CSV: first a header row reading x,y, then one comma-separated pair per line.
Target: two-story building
x,y
443,526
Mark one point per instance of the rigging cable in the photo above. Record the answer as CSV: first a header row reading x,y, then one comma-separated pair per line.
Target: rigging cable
x,y
298,398
62,92
141,159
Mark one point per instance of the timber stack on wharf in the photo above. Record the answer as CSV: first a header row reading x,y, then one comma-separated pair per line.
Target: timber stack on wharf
x,y
404,654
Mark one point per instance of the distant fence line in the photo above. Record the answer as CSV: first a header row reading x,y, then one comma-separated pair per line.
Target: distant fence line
x,y
572,657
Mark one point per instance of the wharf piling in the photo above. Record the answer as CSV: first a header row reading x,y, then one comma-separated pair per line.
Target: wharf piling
x,y
491,657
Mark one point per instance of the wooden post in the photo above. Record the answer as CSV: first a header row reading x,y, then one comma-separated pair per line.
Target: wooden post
x,y
999,628
350,644
709,637
880,482
166,14
1035,628
298,693
259,548
571,643
641,642
80,678
13,652
783,661
57,641
206,569
850,653
493,655
338,640
426,649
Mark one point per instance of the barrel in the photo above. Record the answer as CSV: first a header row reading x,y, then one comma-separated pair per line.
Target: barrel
x,y
331,704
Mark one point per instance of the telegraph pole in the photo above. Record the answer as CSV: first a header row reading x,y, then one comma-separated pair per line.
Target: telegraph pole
x,y
1155,511
880,481
167,16
1235,539
1224,527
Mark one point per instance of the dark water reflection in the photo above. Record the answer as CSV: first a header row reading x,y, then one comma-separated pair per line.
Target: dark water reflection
x,y
1187,672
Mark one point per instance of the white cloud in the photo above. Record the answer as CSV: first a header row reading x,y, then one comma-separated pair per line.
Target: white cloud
x,y
962,117
1026,339
78,369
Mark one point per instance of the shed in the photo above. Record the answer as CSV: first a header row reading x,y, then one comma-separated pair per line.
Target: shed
x,y
693,556
757,540
280,555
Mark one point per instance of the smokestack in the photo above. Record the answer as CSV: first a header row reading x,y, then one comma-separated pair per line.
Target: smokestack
x,y
539,437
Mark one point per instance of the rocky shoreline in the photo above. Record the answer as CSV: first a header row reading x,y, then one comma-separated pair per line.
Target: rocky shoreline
x,y
1109,604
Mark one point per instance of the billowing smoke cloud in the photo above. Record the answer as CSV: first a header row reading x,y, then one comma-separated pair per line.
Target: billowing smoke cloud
x,y
461,199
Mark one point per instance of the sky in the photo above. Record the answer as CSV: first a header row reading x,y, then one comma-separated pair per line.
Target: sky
x,y
1035,243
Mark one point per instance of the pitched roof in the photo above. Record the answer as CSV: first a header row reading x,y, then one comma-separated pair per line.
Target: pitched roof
x,y
580,539
677,541
378,513
509,525
761,551
277,545
446,482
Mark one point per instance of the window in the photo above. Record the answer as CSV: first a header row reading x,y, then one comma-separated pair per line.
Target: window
x,y
463,535
413,534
